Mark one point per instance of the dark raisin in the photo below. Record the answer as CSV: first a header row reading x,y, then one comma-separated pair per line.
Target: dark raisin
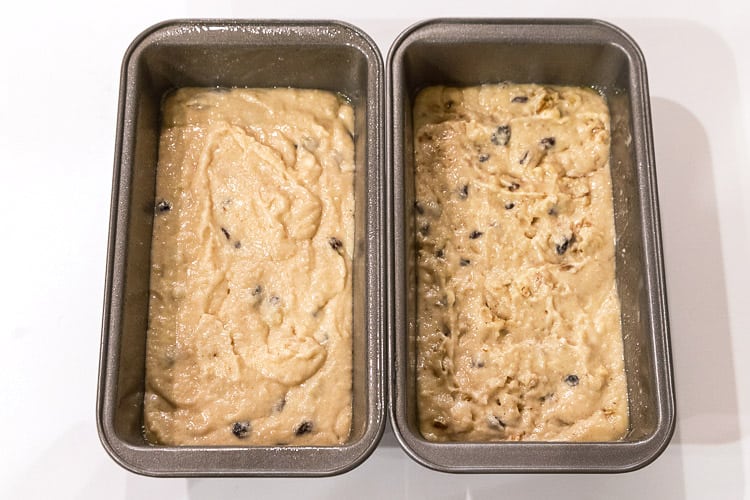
x,y
241,429
548,142
226,233
439,424
483,158
335,243
237,244
463,193
475,234
464,262
509,205
440,253
563,247
448,104
418,208
305,427
480,364
514,186
571,380
501,137
520,98
163,206
424,229
257,290
523,158
496,422
552,211
445,330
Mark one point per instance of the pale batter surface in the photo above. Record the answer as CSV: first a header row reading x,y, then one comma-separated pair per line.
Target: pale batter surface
x,y
519,334
249,339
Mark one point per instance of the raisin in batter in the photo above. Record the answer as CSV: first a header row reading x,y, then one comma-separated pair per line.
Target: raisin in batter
x,y
519,334
249,339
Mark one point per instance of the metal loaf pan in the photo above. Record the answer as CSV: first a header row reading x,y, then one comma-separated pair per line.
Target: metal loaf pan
x,y
322,55
571,52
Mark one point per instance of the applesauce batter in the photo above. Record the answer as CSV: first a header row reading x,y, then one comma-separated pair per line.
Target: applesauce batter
x,y
249,339
519,334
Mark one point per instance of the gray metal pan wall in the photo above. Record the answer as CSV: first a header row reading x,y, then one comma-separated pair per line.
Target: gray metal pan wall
x,y
572,52
323,55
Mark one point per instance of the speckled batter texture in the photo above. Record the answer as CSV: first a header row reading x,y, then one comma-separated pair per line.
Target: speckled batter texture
x,y
249,339
519,334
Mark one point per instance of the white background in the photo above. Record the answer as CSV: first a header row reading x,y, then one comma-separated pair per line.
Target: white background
x,y
59,77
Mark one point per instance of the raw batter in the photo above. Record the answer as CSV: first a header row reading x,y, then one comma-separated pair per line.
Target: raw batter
x,y
519,320
249,339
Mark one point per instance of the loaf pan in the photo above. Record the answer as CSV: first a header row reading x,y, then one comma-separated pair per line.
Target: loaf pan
x,y
208,53
586,53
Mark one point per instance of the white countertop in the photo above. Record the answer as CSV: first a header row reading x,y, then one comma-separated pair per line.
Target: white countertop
x,y
59,77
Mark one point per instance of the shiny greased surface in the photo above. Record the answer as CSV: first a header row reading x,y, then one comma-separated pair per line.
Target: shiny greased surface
x,y
519,333
249,339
